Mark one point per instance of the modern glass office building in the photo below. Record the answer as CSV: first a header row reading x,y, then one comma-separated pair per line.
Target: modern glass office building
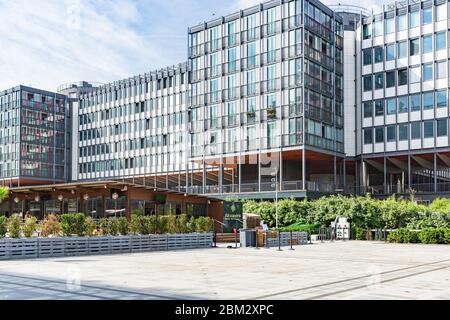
x,y
403,100
288,95
266,98
33,137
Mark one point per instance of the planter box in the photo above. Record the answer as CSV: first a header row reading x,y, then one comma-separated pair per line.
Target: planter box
x,y
31,248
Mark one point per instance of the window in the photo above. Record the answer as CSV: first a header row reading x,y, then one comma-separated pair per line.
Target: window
x,y
379,108
427,16
414,47
403,104
368,136
378,54
402,77
441,98
391,134
441,41
402,49
441,12
428,129
390,79
427,72
378,28
441,70
402,22
368,109
367,31
428,100
403,132
415,102
367,57
391,106
379,135
415,74
414,19
416,130
390,52
442,127
367,83
379,81
427,44
389,25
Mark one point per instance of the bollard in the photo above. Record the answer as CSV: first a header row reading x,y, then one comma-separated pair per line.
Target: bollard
x,y
215,238
279,241
292,248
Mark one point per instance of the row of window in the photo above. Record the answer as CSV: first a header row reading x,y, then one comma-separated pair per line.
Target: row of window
x,y
421,73
401,23
403,104
404,132
399,50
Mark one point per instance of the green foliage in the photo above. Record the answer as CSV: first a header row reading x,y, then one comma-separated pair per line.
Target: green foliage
x,y
3,226
192,224
209,225
122,226
424,220
73,223
50,226
162,224
103,225
434,236
29,227
299,227
14,226
441,205
113,224
200,224
4,191
404,236
182,224
91,226
172,226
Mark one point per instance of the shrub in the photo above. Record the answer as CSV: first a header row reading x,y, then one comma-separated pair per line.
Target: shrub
x,y
182,224
73,223
209,225
113,224
104,225
434,236
403,236
200,224
4,191
122,226
299,227
162,225
91,227
50,226
192,225
14,226
3,226
29,227
172,224
135,224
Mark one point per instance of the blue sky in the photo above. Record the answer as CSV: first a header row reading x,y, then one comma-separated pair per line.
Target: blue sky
x,y
49,42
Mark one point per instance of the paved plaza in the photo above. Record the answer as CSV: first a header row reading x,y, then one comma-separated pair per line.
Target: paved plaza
x,y
339,270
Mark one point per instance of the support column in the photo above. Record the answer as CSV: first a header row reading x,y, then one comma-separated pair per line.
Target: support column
x,y
128,205
344,174
385,175
334,173
435,172
304,169
364,175
409,173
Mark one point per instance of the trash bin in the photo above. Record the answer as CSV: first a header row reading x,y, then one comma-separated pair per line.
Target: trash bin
x,y
248,238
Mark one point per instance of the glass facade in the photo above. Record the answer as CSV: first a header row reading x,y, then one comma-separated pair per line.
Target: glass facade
x,y
33,136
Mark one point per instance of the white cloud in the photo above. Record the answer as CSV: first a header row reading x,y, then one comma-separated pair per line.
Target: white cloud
x,y
45,43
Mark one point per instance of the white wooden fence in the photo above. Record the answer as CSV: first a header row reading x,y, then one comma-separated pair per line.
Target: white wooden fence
x,y
32,248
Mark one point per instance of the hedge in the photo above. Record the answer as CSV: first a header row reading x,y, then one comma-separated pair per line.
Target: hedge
x,y
425,236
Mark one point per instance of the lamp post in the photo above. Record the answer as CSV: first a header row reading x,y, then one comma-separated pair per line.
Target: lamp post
x,y
275,180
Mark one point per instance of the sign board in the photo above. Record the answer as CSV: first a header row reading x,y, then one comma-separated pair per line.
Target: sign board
x,y
233,214
343,231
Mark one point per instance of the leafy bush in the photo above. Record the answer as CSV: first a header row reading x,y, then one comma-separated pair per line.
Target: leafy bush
x,y
182,224
122,226
29,227
299,227
425,220
135,224
103,225
209,225
404,236
73,223
162,224
91,227
50,226
14,226
172,224
113,226
3,226
200,224
434,236
4,191
192,225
